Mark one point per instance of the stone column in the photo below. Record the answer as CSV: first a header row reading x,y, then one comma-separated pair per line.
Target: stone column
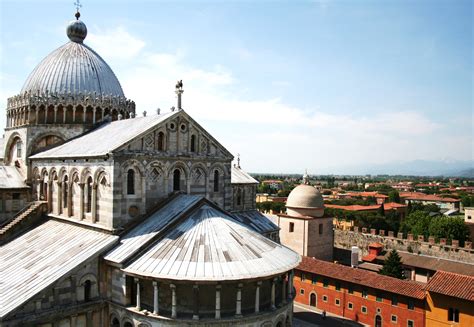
x,y
36,117
55,115
257,297
155,298
137,282
73,289
69,197
94,202
238,303
283,289
89,319
84,114
60,196
218,301
81,201
173,301
93,115
64,114
196,302
50,196
273,294
73,320
290,285
73,114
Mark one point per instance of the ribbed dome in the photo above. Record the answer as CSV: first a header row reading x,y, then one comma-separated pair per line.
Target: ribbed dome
x,y
74,69
305,197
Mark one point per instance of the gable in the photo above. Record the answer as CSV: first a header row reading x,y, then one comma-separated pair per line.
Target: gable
x,y
177,135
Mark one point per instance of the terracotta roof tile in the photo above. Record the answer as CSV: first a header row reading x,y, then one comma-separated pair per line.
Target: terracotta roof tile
x,y
356,207
362,277
452,284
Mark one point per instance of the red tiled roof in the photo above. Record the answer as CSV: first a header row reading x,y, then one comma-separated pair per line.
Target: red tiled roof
x,y
369,257
452,284
376,245
364,194
425,197
393,205
355,207
362,277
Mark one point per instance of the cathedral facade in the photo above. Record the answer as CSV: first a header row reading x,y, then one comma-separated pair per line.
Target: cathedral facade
x,y
110,219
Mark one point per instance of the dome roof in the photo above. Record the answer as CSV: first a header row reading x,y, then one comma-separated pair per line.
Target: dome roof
x,y
74,69
305,196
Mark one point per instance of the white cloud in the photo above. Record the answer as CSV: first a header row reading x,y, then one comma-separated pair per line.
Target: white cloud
x,y
271,134
115,43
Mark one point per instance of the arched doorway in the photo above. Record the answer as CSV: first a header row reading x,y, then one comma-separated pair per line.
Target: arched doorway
x,y
115,323
378,321
312,300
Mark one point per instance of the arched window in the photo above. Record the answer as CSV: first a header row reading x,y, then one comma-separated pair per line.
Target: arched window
x,y
18,148
65,191
89,194
216,181
239,197
176,180
87,290
115,322
161,141
193,143
131,181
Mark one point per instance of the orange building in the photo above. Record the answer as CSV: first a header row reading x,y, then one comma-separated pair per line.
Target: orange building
x,y
450,300
359,295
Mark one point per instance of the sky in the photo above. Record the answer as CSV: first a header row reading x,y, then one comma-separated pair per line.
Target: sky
x,y
327,86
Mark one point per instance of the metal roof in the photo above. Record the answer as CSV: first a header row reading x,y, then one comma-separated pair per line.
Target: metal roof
x,y
32,262
238,176
105,138
256,220
11,178
75,69
209,245
132,241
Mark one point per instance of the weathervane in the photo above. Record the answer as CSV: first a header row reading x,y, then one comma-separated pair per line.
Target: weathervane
x,y
78,5
238,160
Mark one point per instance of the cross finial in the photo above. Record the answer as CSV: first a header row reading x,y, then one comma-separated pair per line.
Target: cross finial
x,y
78,5
238,160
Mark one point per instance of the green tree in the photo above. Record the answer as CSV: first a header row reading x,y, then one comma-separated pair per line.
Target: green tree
x,y
417,223
451,228
394,196
381,210
393,266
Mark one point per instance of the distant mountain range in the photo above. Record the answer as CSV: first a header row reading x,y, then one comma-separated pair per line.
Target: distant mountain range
x,y
415,168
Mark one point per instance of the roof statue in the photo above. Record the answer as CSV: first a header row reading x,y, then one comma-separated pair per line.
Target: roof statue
x,y
179,91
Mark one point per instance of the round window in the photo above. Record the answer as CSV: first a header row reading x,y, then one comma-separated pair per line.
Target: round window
x,y
172,125
183,127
